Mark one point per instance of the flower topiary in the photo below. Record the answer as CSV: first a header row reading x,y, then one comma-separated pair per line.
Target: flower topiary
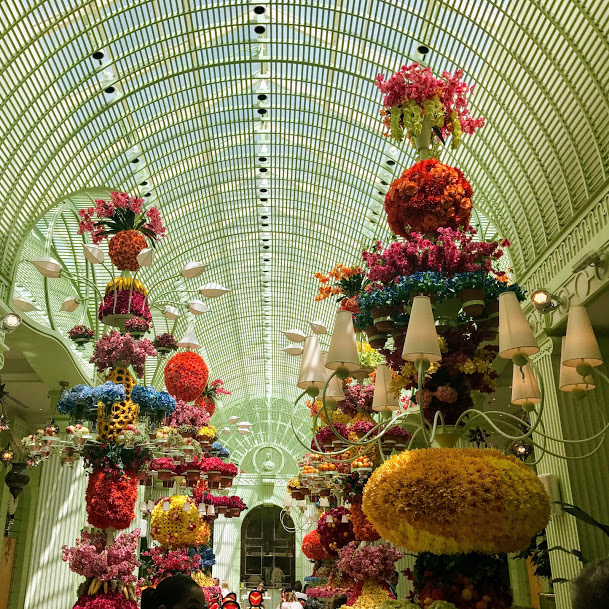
x,y
363,529
427,501
333,533
175,527
110,498
427,196
203,532
186,375
312,548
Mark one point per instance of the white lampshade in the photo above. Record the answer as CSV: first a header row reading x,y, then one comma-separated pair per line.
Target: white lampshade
x,y
318,327
343,348
70,304
295,335
570,380
516,337
312,372
232,420
324,502
334,392
344,519
93,253
383,399
202,509
189,340
293,349
226,431
213,290
421,340
150,505
197,307
245,424
329,519
146,257
23,303
301,503
287,500
524,386
192,269
186,506
166,506
171,312
211,510
47,266
244,432
580,346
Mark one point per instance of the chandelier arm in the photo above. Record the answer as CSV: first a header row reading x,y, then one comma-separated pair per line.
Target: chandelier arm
x,y
412,439
83,279
434,425
423,422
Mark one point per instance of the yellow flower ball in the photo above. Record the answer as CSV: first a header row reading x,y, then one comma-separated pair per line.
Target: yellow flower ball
x,y
453,500
176,527
203,532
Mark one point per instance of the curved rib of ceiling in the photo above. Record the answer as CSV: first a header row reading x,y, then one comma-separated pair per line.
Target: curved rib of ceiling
x,y
187,79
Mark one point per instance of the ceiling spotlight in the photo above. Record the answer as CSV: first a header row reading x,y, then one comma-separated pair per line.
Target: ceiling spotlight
x,y
590,259
544,301
521,450
4,422
10,322
7,456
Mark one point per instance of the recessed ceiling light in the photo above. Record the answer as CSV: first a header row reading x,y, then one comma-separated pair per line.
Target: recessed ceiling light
x,y
259,10
98,55
259,29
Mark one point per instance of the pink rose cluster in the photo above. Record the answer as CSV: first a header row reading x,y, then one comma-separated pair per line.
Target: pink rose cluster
x,y
357,397
174,561
110,600
369,562
188,414
453,251
91,557
120,349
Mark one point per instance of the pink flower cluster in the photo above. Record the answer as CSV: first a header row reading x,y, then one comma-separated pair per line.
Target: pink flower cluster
x,y
91,557
125,302
188,414
325,435
170,561
116,349
357,397
361,427
214,389
419,84
453,251
369,562
214,464
163,463
111,600
106,209
155,224
211,593
137,324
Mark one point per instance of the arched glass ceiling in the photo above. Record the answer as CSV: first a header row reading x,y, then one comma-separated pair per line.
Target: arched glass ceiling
x,y
179,88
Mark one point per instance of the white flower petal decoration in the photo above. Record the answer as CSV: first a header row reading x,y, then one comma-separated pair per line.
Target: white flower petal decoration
x,y
318,327
93,253
23,303
196,307
232,420
146,257
193,269
293,349
244,432
47,266
70,304
189,340
226,431
294,335
171,312
213,290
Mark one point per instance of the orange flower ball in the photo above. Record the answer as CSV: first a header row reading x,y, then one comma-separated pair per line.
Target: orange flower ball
x,y
124,247
186,376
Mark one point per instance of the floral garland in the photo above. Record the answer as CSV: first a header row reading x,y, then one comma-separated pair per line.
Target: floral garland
x,y
111,498
186,375
312,548
175,527
427,196
363,562
116,349
425,500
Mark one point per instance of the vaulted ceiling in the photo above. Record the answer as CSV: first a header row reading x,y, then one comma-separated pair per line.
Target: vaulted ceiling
x,y
256,127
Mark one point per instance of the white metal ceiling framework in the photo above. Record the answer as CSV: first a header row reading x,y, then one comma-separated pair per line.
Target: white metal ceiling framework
x,y
255,127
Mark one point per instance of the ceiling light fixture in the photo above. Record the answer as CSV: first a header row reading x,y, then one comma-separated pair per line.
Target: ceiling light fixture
x,y
543,301
10,322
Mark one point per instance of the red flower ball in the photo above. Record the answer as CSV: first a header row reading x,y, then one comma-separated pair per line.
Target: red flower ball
x,y
186,376
336,534
428,196
207,404
363,529
111,499
312,548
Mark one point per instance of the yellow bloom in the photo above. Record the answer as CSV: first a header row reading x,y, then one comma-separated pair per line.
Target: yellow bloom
x,y
176,527
449,500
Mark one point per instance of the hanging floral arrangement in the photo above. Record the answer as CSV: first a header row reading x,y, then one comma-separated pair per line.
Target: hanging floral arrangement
x,y
130,228
186,375
312,547
110,498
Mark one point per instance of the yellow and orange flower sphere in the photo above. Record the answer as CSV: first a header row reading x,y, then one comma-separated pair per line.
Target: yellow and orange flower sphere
x,y
373,594
203,533
453,500
176,527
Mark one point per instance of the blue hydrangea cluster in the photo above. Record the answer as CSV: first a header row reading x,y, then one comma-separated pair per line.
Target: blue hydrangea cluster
x,y
109,393
220,451
79,396
208,558
151,400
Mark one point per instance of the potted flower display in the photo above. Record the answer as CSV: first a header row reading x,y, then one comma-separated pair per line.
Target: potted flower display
x,y
137,326
81,335
165,343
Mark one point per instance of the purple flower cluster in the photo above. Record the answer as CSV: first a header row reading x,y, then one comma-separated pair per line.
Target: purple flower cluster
x,y
357,398
116,349
369,562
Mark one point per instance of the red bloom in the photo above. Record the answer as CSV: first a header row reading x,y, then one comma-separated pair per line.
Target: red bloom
x,y
111,600
208,404
428,196
186,375
336,534
111,499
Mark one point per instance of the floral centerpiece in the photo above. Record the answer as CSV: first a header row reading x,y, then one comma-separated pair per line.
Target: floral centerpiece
x,y
165,343
312,547
210,394
116,349
333,532
186,375
177,526
130,228
363,562
414,95
125,297
358,398
137,326
81,335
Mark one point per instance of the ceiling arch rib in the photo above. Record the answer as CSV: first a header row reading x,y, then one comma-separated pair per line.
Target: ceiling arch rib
x,y
203,70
